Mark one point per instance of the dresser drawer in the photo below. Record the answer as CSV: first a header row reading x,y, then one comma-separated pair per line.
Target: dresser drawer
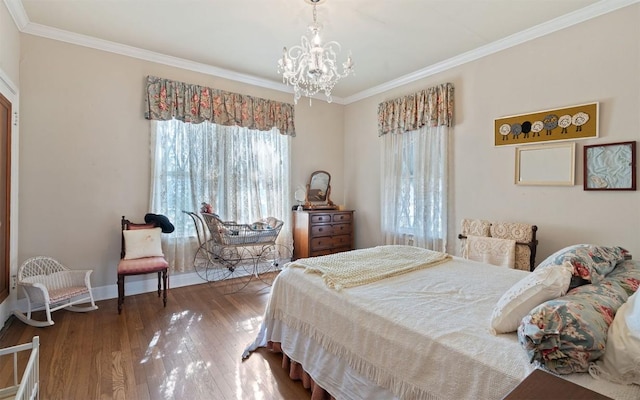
x,y
325,242
328,242
324,252
321,230
342,241
341,229
320,218
342,217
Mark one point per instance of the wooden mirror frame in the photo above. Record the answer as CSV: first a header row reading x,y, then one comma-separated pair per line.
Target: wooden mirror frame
x,y
319,197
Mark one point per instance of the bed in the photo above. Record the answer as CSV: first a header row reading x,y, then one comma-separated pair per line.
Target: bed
x,y
423,334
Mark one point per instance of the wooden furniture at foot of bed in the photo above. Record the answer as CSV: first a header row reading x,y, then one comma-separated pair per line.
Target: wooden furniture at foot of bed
x,y
543,385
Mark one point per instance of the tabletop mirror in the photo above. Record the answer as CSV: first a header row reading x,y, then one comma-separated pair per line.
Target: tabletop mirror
x,y
318,191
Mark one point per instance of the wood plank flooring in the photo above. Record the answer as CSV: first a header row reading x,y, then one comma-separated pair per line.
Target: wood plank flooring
x,y
189,350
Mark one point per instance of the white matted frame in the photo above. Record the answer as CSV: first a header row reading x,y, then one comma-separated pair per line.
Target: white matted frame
x,y
546,165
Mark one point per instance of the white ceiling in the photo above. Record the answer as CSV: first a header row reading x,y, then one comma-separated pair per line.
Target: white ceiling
x,y
391,41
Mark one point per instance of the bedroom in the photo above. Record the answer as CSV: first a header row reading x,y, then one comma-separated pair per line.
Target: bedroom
x,y
114,177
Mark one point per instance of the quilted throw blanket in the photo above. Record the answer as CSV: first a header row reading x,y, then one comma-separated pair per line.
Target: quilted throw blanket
x,y
359,267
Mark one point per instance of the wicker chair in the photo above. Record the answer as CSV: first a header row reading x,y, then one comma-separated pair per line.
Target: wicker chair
x,y
50,286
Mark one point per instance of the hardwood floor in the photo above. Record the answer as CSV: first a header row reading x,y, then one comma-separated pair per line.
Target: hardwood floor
x,y
189,350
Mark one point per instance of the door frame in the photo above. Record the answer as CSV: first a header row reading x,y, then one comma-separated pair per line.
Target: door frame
x,y
10,91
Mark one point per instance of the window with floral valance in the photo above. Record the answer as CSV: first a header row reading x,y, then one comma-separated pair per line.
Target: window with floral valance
x,y
226,149
429,107
414,132
167,99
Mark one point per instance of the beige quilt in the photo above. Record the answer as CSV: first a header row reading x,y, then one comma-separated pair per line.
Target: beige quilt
x,y
358,267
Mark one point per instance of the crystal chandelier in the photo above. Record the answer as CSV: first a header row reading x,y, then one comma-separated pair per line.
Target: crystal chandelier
x,y
312,66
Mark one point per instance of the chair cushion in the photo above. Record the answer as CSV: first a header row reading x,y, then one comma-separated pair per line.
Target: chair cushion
x,y
133,226
142,265
56,295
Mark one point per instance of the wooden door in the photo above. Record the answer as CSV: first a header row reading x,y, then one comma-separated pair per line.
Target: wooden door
x,y
5,185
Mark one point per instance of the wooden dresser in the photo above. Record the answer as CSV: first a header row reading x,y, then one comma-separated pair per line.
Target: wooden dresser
x,y
321,232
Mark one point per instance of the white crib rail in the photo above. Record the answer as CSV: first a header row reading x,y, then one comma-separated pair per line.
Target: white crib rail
x,y
28,386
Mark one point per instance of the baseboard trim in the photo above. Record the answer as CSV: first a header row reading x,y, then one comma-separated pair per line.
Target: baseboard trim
x,y
147,285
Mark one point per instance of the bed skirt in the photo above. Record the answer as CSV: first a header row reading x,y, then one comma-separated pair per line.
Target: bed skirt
x,y
297,373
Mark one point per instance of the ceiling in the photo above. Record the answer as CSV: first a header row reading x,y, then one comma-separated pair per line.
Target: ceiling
x,y
391,41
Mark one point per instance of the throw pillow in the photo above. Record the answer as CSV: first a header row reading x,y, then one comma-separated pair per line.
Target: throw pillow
x,y
534,289
139,243
590,262
566,334
621,360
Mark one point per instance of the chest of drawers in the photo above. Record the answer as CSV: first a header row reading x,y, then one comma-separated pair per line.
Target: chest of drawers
x,y
317,233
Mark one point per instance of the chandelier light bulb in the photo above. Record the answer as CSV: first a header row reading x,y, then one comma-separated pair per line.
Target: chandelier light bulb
x,y
311,67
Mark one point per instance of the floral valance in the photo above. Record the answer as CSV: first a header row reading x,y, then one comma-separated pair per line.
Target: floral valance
x,y
166,99
432,106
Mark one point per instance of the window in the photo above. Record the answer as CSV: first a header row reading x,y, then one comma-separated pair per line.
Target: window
x,y
407,197
243,173
414,188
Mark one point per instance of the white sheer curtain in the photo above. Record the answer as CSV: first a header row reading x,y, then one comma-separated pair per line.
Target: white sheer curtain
x,y
243,173
414,187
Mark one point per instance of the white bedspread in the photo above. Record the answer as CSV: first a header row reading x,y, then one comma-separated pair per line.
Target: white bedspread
x,y
422,335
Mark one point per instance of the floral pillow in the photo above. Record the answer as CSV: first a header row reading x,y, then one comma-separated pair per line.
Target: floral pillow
x,y
567,333
590,262
627,274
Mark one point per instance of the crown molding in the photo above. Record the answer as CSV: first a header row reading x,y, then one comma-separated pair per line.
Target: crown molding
x,y
7,85
597,9
135,52
18,13
602,7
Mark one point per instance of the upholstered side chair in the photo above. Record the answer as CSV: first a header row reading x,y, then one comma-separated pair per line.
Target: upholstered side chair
x,y
141,253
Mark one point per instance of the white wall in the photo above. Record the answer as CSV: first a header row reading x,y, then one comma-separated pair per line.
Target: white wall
x,y
84,155
9,45
597,60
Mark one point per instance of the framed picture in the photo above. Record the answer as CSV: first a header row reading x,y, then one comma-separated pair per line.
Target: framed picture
x,y
610,166
560,124
546,165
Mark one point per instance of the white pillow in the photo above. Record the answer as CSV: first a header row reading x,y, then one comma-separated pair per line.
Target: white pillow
x,y
539,286
621,360
140,243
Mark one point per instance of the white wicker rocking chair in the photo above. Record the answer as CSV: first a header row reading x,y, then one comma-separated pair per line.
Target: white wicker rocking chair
x,y
51,286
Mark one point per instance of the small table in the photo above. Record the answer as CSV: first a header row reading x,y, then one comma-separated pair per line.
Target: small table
x,y
543,385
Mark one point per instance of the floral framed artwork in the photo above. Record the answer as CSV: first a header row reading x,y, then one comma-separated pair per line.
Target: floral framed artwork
x,y
610,166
